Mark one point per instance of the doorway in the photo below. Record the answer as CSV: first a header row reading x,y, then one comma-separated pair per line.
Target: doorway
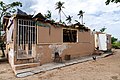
x,y
26,38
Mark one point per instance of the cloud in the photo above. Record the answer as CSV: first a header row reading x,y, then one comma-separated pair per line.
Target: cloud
x,y
96,16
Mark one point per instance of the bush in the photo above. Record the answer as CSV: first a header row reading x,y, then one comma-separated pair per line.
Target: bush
x,y
116,45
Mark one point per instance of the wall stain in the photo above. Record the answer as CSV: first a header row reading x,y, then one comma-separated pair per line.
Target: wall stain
x,y
58,48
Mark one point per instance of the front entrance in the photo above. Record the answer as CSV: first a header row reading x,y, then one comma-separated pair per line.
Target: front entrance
x,y
26,38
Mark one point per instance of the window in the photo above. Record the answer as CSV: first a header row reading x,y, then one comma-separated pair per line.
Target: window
x,y
69,35
26,31
26,37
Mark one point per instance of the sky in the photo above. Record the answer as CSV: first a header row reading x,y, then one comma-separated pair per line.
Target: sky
x,y
97,15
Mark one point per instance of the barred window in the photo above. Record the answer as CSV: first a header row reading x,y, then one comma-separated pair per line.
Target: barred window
x,y
26,31
69,35
26,37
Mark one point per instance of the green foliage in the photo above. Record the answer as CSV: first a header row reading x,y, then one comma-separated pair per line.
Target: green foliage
x,y
113,40
69,18
48,15
53,21
6,9
93,29
103,29
114,1
116,45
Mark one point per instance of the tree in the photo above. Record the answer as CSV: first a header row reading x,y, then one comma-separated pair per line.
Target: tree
x,y
113,39
115,43
103,29
48,15
69,18
6,9
114,1
80,14
59,6
93,29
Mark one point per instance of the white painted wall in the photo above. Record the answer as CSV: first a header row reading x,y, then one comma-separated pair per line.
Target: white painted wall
x,y
102,39
11,57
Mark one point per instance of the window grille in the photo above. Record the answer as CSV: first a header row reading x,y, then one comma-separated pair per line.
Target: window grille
x,y
26,36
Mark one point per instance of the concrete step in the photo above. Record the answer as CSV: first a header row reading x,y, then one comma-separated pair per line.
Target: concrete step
x,y
24,66
24,60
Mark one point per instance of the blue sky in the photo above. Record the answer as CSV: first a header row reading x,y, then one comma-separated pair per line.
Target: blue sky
x,y
96,16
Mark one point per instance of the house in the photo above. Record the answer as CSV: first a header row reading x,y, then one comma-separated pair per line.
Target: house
x,y
102,41
33,40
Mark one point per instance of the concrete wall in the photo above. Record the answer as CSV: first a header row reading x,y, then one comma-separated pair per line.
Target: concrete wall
x,y
11,47
50,40
109,46
48,35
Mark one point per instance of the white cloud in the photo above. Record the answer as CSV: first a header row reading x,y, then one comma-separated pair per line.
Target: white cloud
x,y
97,14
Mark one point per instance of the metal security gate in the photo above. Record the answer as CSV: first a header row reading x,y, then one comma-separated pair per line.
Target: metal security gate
x,y
26,38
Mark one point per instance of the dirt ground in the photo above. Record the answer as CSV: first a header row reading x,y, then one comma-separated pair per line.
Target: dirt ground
x,y
103,69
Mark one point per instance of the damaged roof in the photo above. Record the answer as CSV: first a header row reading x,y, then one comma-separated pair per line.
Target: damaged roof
x,y
20,12
39,17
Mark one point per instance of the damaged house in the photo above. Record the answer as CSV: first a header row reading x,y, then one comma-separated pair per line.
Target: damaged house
x,y
35,41
102,41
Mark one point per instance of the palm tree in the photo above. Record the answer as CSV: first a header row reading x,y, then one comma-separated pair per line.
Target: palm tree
x,y
80,14
69,18
59,6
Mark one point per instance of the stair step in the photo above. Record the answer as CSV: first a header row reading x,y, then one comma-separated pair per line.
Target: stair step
x,y
24,60
27,65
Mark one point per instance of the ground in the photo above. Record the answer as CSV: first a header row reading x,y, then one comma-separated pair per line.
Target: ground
x,y
107,68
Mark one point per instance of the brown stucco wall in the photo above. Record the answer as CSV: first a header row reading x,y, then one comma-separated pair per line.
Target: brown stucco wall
x,y
84,37
48,34
84,46
49,37
43,53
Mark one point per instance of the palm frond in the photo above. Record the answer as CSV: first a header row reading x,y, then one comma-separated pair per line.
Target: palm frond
x,y
69,19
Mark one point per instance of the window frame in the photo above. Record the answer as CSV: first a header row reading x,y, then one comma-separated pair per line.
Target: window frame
x,y
70,29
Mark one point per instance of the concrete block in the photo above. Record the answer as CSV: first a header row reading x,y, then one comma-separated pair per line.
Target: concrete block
x,y
24,74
